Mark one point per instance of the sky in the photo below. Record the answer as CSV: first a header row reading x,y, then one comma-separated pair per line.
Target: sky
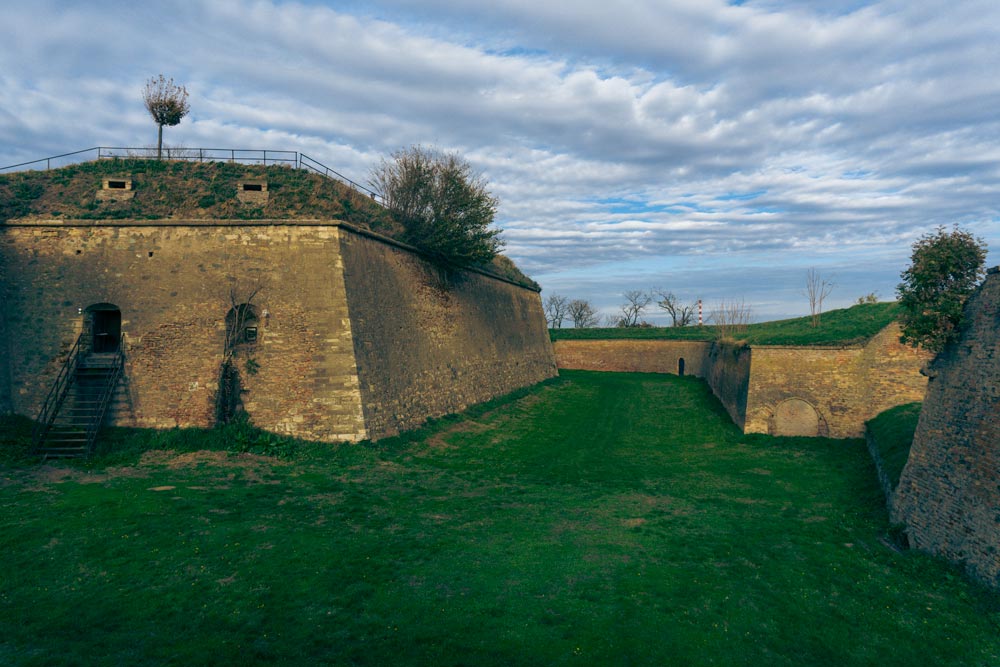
x,y
718,150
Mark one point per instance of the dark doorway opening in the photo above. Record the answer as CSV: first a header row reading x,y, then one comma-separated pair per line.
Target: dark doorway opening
x,y
106,328
680,366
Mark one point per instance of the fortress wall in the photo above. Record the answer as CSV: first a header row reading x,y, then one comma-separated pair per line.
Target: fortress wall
x,y
949,492
634,356
786,382
781,390
429,344
172,282
729,377
6,397
892,371
845,386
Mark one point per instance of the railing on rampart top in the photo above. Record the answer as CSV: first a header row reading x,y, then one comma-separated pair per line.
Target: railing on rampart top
x,y
248,156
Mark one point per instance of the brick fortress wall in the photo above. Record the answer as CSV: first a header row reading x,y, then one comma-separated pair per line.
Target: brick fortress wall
x,y
429,342
173,281
949,492
781,390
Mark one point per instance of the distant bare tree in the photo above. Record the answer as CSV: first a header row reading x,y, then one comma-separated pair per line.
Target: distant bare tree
x,y
582,314
731,318
167,104
817,289
556,309
636,302
680,314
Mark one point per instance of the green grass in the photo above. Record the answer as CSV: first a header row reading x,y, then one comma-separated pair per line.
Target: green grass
x,y
600,519
893,434
837,327
182,189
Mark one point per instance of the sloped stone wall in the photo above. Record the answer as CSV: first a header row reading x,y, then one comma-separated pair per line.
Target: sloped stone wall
x,y
949,492
430,342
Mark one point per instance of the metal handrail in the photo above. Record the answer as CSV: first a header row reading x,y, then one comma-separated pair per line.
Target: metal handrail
x,y
57,394
307,162
246,155
94,427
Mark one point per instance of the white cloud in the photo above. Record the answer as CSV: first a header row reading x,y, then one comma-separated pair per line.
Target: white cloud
x,y
629,137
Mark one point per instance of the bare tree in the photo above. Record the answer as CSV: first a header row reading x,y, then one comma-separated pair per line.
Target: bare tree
x,y
731,318
817,289
167,104
680,315
582,314
636,302
556,309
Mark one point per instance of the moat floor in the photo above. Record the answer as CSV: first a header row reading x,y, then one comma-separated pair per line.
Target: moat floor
x,y
600,519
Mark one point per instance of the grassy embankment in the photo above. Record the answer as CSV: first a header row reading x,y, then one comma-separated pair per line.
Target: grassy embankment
x,y
606,519
893,432
837,327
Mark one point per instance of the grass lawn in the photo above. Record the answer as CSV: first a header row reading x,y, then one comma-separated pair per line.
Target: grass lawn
x,y
600,519
837,327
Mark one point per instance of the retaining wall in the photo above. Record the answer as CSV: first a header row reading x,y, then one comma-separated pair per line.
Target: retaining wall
x,y
949,492
781,390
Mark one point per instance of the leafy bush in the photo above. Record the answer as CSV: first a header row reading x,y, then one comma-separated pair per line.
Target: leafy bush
x,y
946,267
444,207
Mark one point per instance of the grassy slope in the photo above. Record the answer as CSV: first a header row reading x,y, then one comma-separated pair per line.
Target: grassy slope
x,y
893,433
837,327
608,519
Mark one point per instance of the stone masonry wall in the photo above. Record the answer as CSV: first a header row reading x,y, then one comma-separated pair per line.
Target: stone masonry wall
x,y
634,356
429,343
781,390
174,282
843,386
729,377
949,492
6,398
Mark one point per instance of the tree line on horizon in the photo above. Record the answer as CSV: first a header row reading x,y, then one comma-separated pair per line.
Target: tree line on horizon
x,y
945,268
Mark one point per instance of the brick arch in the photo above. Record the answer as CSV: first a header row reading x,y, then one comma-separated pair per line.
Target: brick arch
x,y
797,417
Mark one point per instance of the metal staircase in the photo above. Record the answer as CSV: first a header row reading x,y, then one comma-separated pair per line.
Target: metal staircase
x,y
72,415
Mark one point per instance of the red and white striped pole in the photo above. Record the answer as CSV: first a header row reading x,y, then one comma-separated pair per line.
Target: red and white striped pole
x,y
699,313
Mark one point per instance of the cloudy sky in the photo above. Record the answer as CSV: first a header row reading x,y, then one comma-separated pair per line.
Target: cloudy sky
x,y
716,149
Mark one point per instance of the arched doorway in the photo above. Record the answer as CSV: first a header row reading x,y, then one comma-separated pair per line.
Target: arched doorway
x,y
796,417
680,366
104,322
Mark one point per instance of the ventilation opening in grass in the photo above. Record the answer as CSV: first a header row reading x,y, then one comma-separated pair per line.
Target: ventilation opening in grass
x,y
113,189
252,192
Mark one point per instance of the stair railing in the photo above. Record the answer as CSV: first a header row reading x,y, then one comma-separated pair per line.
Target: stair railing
x,y
118,368
57,394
